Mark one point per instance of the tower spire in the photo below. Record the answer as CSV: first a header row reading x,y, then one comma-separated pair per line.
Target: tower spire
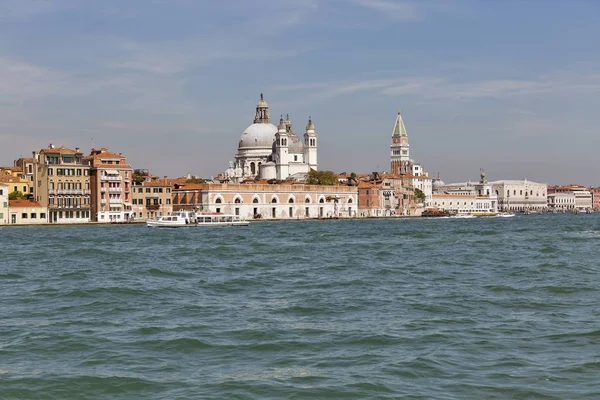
x,y
262,115
399,129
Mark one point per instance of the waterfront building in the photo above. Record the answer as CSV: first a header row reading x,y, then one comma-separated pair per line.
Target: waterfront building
x,y
151,196
595,191
385,195
110,183
466,198
24,212
268,201
26,166
16,180
401,163
3,204
520,195
569,198
62,184
266,151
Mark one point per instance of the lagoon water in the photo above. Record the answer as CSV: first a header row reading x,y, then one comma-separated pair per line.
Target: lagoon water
x,y
482,308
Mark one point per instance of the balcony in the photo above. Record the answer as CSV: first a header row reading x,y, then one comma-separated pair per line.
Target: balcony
x,y
115,201
113,178
115,190
51,191
87,191
103,201
103,190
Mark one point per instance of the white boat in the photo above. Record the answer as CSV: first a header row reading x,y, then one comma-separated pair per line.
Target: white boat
x,y
217,219
178,219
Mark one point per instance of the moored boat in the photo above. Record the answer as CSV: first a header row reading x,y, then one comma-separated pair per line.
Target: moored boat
x,y
218,219
176,220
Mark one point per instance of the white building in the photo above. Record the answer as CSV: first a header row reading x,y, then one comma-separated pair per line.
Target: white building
x,y
517,195
466,197
3,204
269,152
569,198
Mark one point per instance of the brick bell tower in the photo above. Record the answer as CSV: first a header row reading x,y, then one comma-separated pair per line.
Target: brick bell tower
x,y
399,151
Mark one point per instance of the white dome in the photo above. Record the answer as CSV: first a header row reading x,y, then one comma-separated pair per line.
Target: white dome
x,y
258,136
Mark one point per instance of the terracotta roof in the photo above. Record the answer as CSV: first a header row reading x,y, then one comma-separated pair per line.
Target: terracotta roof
x,y
61,150
160,182
363,184
22,203
10,179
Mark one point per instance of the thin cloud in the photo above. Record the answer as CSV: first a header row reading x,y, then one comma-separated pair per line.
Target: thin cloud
x,y
401,10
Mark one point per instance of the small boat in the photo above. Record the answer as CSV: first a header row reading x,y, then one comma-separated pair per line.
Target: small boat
x,y
434,212
484,213
178,219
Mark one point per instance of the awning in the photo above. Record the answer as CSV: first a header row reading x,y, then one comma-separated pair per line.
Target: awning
x,y
112,172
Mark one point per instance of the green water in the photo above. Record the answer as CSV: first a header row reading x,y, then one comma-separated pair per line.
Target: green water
x,y
483,308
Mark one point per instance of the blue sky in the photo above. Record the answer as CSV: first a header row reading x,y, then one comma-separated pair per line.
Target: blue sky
x,y
510,86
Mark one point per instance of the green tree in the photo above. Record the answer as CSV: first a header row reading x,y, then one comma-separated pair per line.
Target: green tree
x,y
195,180
321,178
16,194
419,195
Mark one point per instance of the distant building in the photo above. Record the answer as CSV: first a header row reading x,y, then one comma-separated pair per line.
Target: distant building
x,y
569,198
520,195
261,200
110,182
266,151
16,180
595,191
62,184
152,197
402,164
466,198
3,204
24,212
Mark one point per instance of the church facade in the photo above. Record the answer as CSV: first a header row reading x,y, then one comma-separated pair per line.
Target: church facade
x,y
266,151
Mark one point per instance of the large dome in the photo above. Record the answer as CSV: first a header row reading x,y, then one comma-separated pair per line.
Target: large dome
x,y
258,136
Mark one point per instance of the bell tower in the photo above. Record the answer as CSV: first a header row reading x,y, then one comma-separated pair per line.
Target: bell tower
x,y
399,150
310,145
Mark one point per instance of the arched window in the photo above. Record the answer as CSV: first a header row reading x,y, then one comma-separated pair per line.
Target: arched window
x,y
218,200
274,200
515,192
307,200
237,200
521,193
51,184
322,200
367,202
252,168
531,193
291,200
255,200
350,201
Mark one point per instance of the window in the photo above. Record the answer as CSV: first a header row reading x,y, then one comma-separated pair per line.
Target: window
x,y
322,200
255,200
237,200
1,192
24,215
33,216
274,200
291,200
50,171
295,158
291,212
307,200
42,215
349,201
147,190
218,200
78,171
168,201
1,215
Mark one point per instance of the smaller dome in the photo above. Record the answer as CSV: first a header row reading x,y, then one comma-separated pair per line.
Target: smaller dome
x,y
437,183
310,126
262,103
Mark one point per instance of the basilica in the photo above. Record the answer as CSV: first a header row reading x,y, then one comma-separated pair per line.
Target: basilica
x,y
267,152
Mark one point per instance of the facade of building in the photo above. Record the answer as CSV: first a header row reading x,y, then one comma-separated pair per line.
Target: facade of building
x,y
277,201
62,184
110,183
515,195
569,198
268,152
27,165
595,191
466,198
16,180
152,198
3,204
24,212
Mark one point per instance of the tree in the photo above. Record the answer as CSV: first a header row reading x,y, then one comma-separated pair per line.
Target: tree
x,y
321,178
15,195
195,180
419,195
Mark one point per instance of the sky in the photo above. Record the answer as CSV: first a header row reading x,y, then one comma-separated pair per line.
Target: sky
x,y
509,86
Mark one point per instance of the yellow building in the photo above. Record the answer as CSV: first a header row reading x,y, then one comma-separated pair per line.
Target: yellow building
x,y
16,180
23,212
152,196
62,184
